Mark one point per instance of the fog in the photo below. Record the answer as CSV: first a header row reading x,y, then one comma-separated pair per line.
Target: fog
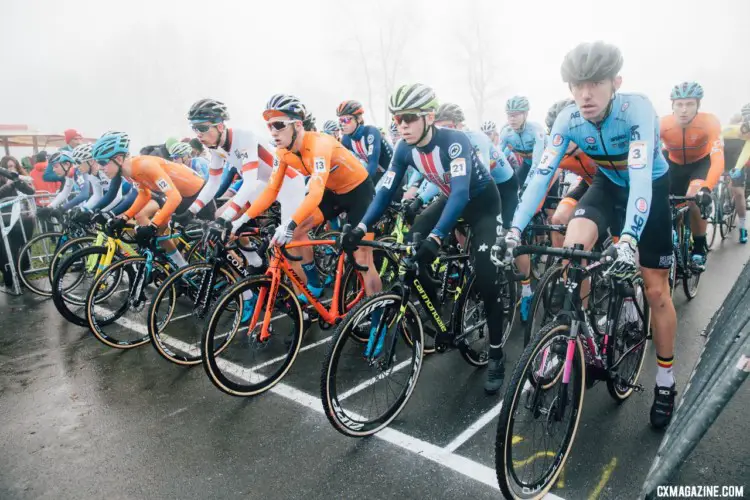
x,y
137,66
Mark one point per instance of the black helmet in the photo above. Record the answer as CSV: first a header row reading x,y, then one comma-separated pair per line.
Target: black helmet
x,y
450,112
554,110
208,110
591,62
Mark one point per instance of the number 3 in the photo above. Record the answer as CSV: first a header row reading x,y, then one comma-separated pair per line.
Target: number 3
x,y
636,154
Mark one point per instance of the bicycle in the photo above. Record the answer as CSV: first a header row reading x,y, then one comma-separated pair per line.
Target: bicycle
x,y
275,328
682,268
724,211
564,359
393,354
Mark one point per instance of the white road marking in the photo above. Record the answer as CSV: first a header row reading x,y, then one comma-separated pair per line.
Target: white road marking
x,y
474,428
367,383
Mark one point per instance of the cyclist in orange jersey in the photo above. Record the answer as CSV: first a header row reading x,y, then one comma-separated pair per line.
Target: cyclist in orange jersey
x,y
695,156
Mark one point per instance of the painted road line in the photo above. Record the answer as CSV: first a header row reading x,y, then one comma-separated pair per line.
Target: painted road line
x,y
474,428
367,383
606,474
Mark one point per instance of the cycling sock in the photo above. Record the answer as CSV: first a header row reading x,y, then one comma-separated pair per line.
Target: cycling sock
x,y
742,222
335,224
312,274
664,376
699,244
177,258
253,259
526,288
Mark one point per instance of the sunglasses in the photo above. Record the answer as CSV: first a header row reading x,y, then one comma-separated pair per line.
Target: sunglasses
x,y
345,120
408,118
103,163
202,128
278,125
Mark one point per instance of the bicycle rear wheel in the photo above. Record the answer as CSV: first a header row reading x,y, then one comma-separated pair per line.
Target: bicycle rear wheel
x,y
363,392
66,250
33,262
539,405
240,358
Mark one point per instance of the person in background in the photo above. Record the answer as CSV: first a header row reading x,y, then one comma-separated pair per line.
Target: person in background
x,y
181,152
11,184
27,164
73,139
37,175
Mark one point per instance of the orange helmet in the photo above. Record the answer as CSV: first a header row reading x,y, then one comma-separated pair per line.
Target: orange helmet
x,y
350,108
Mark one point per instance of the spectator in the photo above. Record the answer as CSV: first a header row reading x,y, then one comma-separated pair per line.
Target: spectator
x,y
27,162
37,174
73,139
12,187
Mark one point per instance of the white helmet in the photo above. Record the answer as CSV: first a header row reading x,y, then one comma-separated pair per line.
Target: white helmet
x,y
180,149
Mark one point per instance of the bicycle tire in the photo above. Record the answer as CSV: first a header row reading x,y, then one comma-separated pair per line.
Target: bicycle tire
x,y
28,247
513,397
542,298
66,249
332,400
219,376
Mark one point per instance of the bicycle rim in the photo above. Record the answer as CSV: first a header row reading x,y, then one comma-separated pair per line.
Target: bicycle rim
x,y
72,283
34,260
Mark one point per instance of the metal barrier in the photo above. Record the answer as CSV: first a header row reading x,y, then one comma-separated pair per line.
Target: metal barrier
x,y
12,212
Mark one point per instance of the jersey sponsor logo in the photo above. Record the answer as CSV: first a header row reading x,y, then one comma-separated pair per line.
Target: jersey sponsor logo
x,y
641,205
388,179
241,154
542,171
162,184
638,155
624,106
580,211
665,261
592,147
454,150
575,114
370,139
637,225
634,134
320,164
590,140
458,167
618,138
369,150
557,140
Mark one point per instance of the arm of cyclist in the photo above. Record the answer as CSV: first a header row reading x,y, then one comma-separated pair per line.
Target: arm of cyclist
x,y
391,182
211,187
63,194
459,194
717,154
500,170
538,145
127,201
374,141
82,195
227,178
111,197
96,192
140,201
267,196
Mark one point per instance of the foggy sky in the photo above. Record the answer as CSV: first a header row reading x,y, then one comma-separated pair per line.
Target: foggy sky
x,y
137,66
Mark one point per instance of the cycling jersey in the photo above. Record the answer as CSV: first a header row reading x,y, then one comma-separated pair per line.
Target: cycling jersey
x,y
688,145
580,164
449,161
370,147
737,145
624,146
243,152
113,191
174,180
200,166
528,143
332,167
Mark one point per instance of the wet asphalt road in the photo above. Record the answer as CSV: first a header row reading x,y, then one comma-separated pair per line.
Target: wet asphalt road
x,y
81,420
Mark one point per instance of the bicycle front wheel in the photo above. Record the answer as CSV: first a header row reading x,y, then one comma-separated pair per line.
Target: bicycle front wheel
x,y
365,386
33,262
66,250
246,356
540,414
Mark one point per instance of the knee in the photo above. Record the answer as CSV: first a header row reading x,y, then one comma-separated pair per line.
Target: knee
x,y
657,293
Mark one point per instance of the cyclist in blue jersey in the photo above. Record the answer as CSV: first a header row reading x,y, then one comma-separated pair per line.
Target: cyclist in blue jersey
x,y
630,192
182,152
490,130
447,158
521,136
365,141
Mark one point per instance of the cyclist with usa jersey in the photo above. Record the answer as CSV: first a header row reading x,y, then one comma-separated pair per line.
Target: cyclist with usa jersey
x,y
447,158
522,136
365,141
632,180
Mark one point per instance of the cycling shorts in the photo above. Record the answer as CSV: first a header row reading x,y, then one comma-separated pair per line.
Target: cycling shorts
x,y
355,203
682,176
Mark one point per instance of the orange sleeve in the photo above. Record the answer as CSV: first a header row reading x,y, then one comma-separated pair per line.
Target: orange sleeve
x,y
144,196
321,168
156,176
717,153
271,191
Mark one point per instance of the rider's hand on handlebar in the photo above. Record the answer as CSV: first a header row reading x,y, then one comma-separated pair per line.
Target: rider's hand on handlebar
x,y
428,250
623,255
284,233
411,209
501,253
350,239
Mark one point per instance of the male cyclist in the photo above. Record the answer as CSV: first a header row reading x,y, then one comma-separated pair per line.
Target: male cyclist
x,y
331,127
448,159
490,130
737,155
394,133
695,156
365,141
521,136
338,183
182,152
150,174
632,178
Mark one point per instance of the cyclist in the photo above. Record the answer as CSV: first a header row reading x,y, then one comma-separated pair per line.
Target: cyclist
x,y
365,141
182,152
331,127
150,174
695,156
632,178
490,130
338,183
62,164
394,133
737,152
447,158
521,136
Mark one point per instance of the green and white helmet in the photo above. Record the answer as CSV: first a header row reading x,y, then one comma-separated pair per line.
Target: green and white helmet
x,y
516,104
180,149
413,97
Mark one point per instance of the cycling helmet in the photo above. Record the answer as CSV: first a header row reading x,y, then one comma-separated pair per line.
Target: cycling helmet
x,y
687,90
309,123
413,97
208,110
517,104
110,145
745,111
350,108
488,127
61,157
180,149
393,128
591,62
284,105
82,153
330,127
449,112
554,110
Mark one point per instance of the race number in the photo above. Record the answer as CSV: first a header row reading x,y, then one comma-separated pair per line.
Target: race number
x,y
458,167
547,157
163,185
320,164
638,155
388,179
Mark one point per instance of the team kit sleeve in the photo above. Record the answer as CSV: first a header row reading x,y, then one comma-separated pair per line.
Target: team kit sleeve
x,y
717,153
538,145
388,186
374,143
111,197
543,174
461,171
641,155
316,187
140,201
271,191
249,172
63,194
82,195
212,185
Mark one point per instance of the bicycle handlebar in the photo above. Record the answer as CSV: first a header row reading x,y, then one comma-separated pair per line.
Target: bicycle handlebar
x,y
565,253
